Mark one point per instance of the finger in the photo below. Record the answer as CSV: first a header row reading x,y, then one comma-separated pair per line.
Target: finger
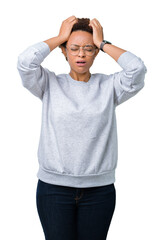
x,y
93,24
75,19
73,16
97,23
70,18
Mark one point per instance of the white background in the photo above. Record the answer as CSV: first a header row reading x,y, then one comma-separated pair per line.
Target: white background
x,y
135,26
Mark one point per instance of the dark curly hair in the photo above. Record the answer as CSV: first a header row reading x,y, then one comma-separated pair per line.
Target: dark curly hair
x,y
83,25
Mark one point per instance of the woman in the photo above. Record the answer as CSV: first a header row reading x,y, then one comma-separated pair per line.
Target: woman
x,y
77,151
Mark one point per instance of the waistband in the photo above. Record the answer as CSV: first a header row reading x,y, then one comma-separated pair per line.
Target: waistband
x,y
76,181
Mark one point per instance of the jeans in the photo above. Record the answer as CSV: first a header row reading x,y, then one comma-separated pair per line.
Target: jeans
x,y
70,213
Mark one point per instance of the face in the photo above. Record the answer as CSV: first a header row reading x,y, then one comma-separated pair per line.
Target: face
x,y
80,38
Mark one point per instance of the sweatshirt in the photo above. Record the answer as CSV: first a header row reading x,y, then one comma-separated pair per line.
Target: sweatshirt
x,y
78,144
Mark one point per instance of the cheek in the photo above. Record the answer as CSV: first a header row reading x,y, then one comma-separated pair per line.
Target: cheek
x,y
70,59
91,61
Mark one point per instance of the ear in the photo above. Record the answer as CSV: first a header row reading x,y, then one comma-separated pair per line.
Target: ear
x,y
96,52
64,51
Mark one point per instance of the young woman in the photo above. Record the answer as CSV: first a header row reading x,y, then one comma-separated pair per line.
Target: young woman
x,y
77,150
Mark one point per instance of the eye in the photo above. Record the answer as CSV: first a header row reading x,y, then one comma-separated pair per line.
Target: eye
x,y
88,48
74,48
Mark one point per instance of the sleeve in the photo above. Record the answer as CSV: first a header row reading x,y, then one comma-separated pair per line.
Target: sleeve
x,y
34,77
130,80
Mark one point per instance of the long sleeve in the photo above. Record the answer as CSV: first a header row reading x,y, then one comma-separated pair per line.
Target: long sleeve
x,y
34,76
130,80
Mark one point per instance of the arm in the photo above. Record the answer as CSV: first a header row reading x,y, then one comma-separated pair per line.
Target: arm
x,y
110,49
130,80
34,76
64,33
113,51
54,42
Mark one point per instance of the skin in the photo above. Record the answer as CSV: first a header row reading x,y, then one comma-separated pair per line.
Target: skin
x,y
82,38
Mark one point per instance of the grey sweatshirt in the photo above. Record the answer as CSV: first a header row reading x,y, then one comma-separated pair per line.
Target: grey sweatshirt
x,y
78,141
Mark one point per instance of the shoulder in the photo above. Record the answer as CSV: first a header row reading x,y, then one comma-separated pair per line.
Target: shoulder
x,y
102,77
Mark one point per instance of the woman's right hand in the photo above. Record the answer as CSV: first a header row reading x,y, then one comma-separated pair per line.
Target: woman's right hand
x,y
66,28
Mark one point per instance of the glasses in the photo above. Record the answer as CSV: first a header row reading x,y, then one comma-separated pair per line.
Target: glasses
x,y
89,50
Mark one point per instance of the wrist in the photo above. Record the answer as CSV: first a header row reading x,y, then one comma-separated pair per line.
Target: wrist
x,y
98,44
103,43
60,39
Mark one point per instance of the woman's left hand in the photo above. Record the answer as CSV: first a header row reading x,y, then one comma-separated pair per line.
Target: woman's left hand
x,y
98,35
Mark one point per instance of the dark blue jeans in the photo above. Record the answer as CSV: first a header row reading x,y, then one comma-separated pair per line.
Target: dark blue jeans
x,y
69,213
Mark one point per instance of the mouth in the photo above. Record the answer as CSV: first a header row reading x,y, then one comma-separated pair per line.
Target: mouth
x,y
81,63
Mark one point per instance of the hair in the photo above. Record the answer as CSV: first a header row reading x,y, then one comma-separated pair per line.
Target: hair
x,y
83,25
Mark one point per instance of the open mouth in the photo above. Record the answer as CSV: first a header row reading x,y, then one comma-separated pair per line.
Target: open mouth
x,y
81,63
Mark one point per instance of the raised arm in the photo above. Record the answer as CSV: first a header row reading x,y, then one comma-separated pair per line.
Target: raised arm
x,y
113,51
64,33
98,37
130,80
34,76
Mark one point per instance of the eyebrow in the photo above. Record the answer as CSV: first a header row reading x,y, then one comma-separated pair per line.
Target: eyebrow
x,y
88,45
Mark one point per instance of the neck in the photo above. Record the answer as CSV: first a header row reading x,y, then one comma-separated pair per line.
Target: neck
x,y
80,76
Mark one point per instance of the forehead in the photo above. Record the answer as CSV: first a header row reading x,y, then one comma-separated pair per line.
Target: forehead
x,y
80,38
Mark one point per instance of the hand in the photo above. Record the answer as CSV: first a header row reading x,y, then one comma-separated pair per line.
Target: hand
x,y
66,28
98,35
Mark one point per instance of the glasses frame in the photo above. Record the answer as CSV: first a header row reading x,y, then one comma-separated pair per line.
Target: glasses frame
x,y
69,49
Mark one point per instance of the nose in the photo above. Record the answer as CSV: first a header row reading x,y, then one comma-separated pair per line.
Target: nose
x,y
81,52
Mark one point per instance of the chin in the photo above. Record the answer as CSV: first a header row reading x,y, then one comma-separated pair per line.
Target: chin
x,y
80,70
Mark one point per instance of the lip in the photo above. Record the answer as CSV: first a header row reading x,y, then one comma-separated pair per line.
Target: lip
x,y
80,64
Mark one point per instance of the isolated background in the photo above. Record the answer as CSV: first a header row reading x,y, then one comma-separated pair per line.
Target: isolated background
x,y
135,26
